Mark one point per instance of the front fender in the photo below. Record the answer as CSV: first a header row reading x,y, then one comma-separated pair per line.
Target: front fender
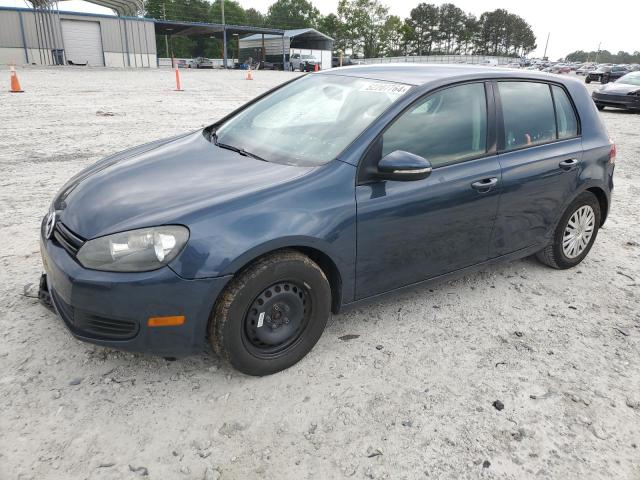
x,y
315,211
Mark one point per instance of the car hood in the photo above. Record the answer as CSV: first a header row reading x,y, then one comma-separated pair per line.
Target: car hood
x,y
160,183
619,88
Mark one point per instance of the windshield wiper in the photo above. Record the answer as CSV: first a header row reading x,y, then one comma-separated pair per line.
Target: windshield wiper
x,y
241,151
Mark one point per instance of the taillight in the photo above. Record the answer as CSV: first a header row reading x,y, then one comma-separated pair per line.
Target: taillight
x,y
613,151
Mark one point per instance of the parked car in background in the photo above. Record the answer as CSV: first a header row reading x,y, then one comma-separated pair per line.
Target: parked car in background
x,y
560,68
399,175
346,61
513,65
201,62
606,74
623,93
586,68
304,63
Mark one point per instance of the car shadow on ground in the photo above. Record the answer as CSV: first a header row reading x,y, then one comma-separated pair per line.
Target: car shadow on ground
x,y
352,319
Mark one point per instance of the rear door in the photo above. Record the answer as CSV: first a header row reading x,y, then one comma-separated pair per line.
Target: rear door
x,y
540,152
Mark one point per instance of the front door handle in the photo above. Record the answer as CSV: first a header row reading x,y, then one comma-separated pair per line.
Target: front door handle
x,y
485,184
568,164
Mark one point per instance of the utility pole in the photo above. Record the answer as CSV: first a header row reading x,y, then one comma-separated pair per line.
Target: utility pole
x,y
224,37
598,52
544,57
166,39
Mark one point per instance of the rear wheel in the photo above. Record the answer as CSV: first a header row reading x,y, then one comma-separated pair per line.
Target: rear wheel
x,y
271,314
575,234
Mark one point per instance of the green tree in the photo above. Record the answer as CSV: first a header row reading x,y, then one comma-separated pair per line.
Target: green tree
x,y
291,14
332,26
392,37
254,17
363,21
234,14
423,28
450,25
467,35
503,33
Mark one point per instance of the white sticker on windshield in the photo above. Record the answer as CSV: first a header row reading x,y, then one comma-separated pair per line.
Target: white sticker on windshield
x,y
385,88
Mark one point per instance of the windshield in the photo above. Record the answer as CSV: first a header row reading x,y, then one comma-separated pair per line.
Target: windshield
x,y
310,121
630,79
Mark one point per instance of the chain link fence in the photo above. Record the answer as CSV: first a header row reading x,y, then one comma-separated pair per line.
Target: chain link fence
x,y
467,59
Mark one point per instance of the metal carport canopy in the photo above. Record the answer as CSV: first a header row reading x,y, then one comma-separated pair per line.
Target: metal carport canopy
x,y
175,27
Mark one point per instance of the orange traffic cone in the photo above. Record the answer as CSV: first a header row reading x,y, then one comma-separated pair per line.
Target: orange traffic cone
x,y
15,83
249,74
178,86
316,67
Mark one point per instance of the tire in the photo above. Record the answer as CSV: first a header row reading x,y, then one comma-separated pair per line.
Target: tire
x,y
587,80
599,106
267,341
555,254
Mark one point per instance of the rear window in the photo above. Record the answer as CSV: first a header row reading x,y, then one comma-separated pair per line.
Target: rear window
x,y
530,117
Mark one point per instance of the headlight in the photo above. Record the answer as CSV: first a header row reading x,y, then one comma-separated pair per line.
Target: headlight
x,y
134,251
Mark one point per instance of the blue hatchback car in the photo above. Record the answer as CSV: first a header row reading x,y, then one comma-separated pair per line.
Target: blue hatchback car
x,y
400,174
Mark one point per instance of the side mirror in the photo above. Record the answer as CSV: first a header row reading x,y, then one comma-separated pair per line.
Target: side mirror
x,y
403,166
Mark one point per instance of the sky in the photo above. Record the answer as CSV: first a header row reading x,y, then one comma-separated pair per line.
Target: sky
x,y
572,24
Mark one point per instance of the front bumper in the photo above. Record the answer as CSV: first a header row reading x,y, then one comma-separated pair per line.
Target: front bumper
x,y
112,308
629,102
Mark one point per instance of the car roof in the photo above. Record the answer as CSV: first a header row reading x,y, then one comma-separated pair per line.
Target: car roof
x,y
420,74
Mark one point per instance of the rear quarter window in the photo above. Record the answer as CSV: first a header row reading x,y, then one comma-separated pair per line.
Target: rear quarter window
x,y
565,114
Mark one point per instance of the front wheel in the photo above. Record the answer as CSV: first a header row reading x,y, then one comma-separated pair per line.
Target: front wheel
x,y
587,80
575,234
271,314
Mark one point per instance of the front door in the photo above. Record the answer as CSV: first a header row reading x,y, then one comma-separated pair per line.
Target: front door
x,y
411,231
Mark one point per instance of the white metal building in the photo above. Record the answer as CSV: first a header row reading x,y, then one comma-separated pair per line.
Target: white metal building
x,y
49,37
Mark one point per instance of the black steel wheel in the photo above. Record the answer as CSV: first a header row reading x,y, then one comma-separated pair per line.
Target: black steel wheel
x,y
277,318
271,314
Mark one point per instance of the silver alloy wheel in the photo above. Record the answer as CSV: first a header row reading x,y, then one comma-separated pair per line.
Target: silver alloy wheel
x,y
578,231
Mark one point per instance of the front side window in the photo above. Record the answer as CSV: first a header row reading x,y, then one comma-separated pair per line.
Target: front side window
x,y
527,110
565,115
310,121
448,126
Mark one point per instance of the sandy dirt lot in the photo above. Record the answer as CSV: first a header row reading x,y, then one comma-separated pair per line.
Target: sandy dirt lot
x,y
408,394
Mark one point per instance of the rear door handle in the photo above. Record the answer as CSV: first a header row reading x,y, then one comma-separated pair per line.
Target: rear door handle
x,y
568,164
485,184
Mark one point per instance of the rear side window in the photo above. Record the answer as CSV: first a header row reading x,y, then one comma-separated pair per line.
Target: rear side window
x,y
446,127
527,110
565,115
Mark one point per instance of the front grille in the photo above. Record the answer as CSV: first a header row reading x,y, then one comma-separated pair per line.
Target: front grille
x,y
67,239
94,326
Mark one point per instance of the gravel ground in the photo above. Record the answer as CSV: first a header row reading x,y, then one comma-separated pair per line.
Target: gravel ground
x,y
403,388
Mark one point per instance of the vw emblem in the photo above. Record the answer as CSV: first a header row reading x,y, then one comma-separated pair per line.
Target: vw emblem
x,y
51,222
